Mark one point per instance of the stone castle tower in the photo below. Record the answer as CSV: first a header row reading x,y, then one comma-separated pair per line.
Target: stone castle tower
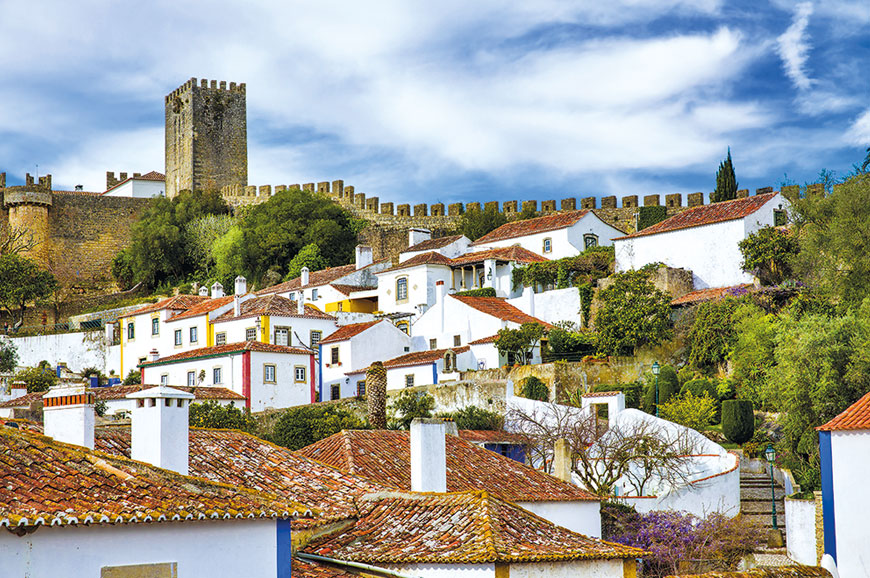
x,y
206,136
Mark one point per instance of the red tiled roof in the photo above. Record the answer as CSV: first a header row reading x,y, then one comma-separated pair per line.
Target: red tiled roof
x,y
385,457
515,253
484,340
431,258
226,349
707,215
239,459
856,416
347,331
458,528
532,226
600,394
272,305
315,279
348,289
121,391
499,308
308,569
422,357
66,484
484,436
204,307
711,294
152,176
178,303
432,244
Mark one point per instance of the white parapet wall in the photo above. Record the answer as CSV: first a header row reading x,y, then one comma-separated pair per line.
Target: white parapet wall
x,y
800,530
78,350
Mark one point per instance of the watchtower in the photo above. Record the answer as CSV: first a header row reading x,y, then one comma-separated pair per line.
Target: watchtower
x,y
206,136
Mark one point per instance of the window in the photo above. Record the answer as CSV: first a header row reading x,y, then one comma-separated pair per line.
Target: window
x,y
449,362
409,380
217,378
433,344
299,374
164,379
401,289
220,338
457,340
334,391
340,306
548,245
142,360
316,336
334,355
191,378
314,294
269,373
361,388
282,336
131,331
178,337
193,336
779,219
155,326
251,334
590,240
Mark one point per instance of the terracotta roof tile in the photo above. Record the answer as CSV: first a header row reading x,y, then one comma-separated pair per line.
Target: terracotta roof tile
x,y
423,357
239,459
309,569
484,340
458,528
515,253
348,289
121,391
432,244
178,303
499,308
315,279
347,331
431,258
272,305
151,176
66,484
531,226
707,215
855,417
711,294
227,349
206,306
600,394
385,457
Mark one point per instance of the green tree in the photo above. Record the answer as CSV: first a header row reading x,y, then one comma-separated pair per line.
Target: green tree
x,y
712,334
475,418
519,343
23,283
407,406
534,388
475,224
726,181
768,254
690,410
309,256
8,356
212,414
752,355
37,378
633,313
229,256
303,425
200,236
134,377
738,420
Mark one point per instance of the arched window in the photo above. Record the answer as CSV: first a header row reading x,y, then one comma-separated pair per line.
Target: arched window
x,y
449,362
401,289
548,245
590,240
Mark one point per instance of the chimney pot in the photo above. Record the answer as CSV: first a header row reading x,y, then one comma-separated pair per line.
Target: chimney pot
x,y
428,455
416,236
363,256
300,303
237,305
154,354
217,290
160,428
68,415
203,291
303,277
562,460
241,285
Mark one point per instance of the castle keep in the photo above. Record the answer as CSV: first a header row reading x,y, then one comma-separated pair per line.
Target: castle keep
x,y
206,136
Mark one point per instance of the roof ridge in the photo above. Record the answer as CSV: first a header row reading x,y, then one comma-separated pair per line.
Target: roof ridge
x,y
488,532
348,450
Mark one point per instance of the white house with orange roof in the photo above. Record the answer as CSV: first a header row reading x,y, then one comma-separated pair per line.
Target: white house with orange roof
x,y
420,241
145,186
355,347
704,239
422,368
554,236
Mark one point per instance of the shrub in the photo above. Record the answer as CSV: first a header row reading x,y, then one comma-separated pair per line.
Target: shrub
x,y
631,390
738,420
133,378
37,378
409,405
211,414
482,292
101,407
473,417
534,388
301,426
633,313
689,410
699,387
712,335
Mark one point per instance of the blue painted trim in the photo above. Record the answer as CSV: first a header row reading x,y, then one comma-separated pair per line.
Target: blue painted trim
x,y
435,373
284,549
829,523
320,370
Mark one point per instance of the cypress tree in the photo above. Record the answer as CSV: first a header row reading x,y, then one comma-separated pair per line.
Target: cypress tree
x,y
726,181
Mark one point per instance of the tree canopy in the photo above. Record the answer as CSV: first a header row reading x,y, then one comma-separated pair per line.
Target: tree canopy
x,y
23,283
475,223
769,254
633,313
726,181
309,256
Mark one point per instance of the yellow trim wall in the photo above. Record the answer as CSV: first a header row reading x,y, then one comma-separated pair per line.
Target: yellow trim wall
x,y
352,306
264,324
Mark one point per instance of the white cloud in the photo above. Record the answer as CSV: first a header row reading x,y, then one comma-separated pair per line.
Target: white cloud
x,y
793,46
859,132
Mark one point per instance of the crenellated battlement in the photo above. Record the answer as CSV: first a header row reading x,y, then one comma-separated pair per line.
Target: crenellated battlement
x,y
205,83
113,181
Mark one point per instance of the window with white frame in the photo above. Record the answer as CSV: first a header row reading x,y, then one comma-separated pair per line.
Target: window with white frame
x,y
155,326
401,289
191,378
299,374
269,373
590,240
178,337
217,375
548,245
193,335
251,334
220,338
282,336
314,294
457,340
164,379
315,338
409,380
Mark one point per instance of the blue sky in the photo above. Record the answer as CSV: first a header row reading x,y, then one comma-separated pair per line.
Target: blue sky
x,y
451,100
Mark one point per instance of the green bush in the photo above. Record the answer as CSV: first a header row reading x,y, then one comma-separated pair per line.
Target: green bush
x,y
476,418
534,388
632,392
649,216
482,292
699,387
37,378
738,420
303,425
133,378
409,405
669,386
687,409
211,414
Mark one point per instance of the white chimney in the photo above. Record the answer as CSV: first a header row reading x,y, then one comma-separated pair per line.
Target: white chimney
x,y
440,294
160,428
241,285
428,455
418,236
363,256
562,460
17,389
217,290
303,277
237,303
68,415
529,301
300,303
154,354
203,291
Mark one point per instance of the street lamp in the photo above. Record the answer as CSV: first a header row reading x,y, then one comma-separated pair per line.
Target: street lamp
x,y
655,369
770,454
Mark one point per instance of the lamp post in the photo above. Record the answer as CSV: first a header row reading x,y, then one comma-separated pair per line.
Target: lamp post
x,y
770,454
655,369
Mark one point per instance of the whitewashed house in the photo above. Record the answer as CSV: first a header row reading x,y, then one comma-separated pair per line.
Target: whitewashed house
x,y
422,368
145,186
703,239
552,236
420,241
353,348
267,375
844,444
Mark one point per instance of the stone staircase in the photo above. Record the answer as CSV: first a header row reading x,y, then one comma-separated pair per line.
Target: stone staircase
x,y
755,500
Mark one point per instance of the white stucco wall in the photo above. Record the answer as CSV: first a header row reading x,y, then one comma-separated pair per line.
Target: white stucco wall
x,y
551,306
300,329
571,569
139,188
445,570
800,530
421,287
452,317
454,249
201,549
485,356
566,242
583,517
77,350
851,470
